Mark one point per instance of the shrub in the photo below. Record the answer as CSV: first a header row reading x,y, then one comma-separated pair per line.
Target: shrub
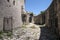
x,y
1,33
9,34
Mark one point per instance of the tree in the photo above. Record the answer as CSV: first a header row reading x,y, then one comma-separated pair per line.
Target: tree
x,y
42,12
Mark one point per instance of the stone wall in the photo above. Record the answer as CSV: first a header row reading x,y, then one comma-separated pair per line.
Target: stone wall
x,y
47,18
52,17
51,14
39,19
58,14
27,18
11,8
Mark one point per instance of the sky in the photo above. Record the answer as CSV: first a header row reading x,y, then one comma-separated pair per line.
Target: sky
x,y
36,6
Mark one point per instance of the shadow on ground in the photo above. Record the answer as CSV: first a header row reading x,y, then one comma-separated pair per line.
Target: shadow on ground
x,y
46,34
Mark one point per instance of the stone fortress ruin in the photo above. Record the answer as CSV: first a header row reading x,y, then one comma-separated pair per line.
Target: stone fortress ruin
x,y
13,15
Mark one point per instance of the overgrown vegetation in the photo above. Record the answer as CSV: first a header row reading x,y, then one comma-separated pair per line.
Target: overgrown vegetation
x,y
7,34
1,33
42,12
33,27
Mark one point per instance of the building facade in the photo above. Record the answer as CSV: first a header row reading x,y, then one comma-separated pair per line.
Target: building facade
x,y
10,14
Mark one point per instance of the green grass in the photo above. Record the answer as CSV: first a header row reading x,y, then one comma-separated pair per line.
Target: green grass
x,y
8,34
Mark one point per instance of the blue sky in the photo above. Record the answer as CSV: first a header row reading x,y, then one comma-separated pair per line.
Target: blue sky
x,y
36,6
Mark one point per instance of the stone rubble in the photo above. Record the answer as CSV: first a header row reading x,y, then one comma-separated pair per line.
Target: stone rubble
x,y
25,33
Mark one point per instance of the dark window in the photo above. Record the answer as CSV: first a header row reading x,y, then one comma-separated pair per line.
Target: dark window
x,y
13,2
8,0
30,19
23,18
